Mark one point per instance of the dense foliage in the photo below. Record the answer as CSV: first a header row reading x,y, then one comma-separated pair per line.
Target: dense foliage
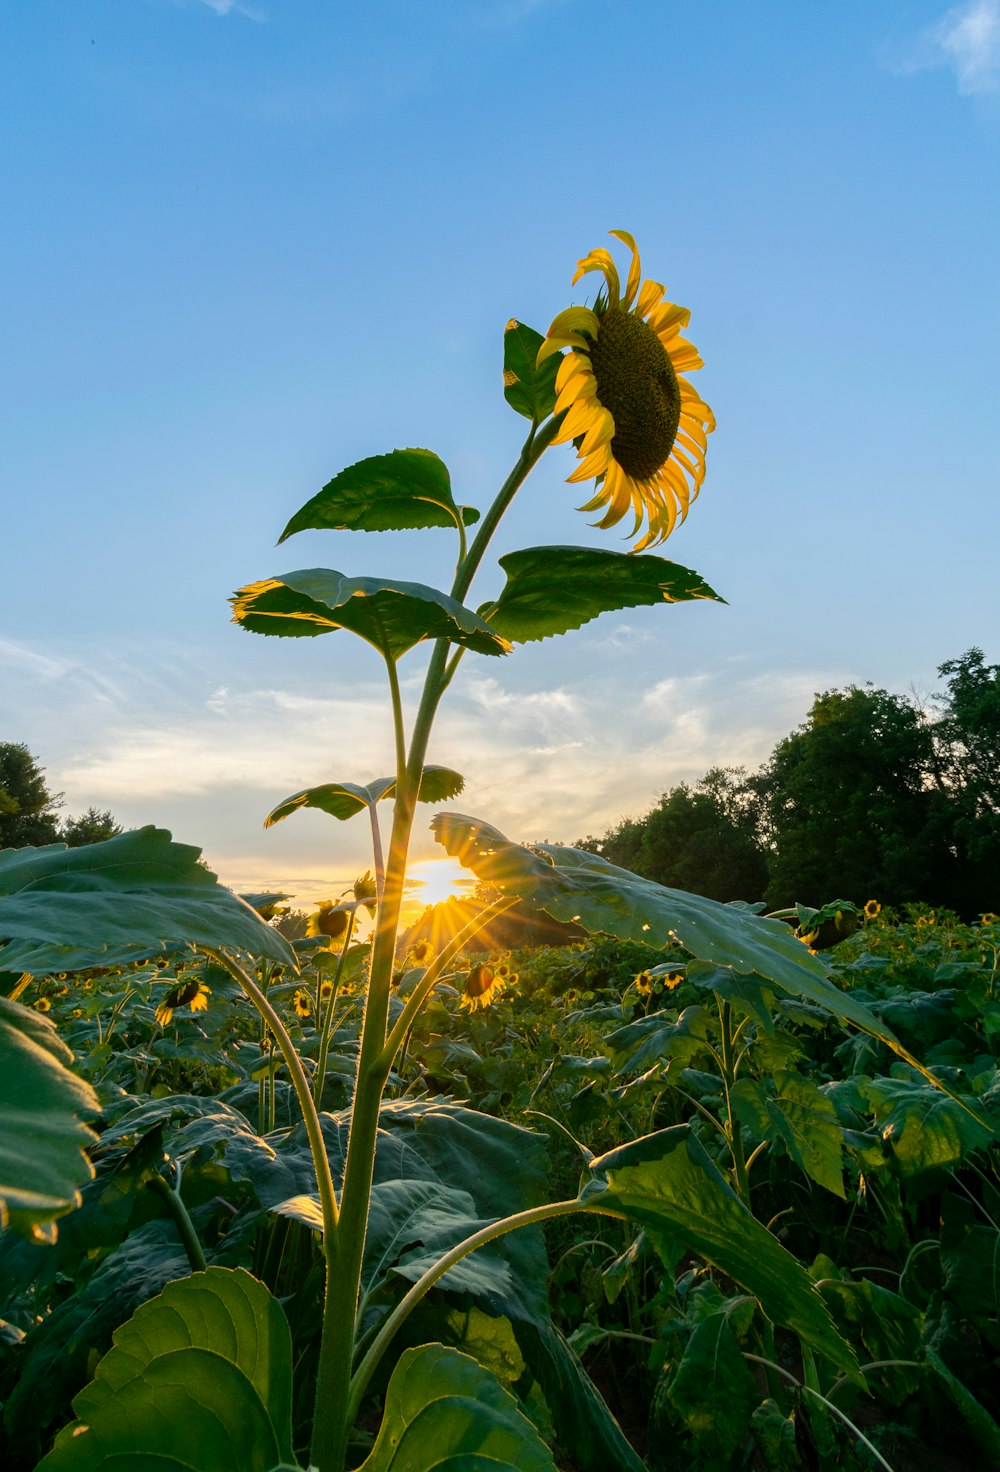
x,y
29,812
874,794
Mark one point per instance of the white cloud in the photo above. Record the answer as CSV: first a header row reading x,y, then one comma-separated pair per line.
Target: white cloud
x,y
966,39
227,7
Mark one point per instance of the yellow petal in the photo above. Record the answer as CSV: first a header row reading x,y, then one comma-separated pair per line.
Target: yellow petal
x,y
581,386
650,294
599,434
634,271
668,317
574,319
556,344
601,260
594,465
574,362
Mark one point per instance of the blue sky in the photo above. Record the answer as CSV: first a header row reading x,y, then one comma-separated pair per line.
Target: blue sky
x,y
246,244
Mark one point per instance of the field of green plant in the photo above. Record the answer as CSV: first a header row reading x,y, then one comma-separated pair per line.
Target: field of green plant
x,y
709,1188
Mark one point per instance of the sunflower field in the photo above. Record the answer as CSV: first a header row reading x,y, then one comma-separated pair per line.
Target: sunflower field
x,y
706,1187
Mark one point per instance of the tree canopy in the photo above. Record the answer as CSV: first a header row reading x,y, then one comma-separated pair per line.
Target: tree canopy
x,y
875,796
29,812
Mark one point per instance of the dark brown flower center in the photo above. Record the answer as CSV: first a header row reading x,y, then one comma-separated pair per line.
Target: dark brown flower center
x,y
479,981
637,382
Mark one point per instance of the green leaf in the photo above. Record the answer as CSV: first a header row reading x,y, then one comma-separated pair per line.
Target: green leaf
x,y
668,1184
925,1128
981,1427
804,1119
385,493
42,1141
552,589
200,1377
130,897
713,1390
390,615
528,389
346,799
584,1426
443,1410
572,885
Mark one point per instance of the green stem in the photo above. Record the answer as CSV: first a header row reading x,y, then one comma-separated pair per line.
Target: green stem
x,y
424,1284
333,1414
300,1083
735,1134
182,1221
834,1410
324,1040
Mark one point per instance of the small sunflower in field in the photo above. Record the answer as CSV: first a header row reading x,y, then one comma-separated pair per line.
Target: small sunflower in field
x,y
193,994
872,910
673,979
640,429
302,1003
325,990
422,953
365,890
327,921
482,988
42,1005
988,918
644,984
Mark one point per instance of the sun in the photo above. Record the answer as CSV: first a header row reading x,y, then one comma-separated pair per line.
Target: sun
x,y
430,881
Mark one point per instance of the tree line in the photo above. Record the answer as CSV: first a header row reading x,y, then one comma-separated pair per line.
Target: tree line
x,y
30,814
875,796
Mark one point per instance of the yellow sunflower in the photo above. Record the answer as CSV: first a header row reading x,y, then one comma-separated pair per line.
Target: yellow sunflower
x,y
302,1003
872,909
42,1005
482,988
325,990
327,921
641,429
672,979
193,994
644,984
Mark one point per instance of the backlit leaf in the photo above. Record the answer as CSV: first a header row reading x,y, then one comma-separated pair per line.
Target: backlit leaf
x,y
443,1410
346,799
200,1377
528,389
134,896
396,492
42,1139
668,1184
391,616
552,589
794,1111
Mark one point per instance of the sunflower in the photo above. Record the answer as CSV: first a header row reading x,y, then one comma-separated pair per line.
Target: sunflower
x,y
640,429
327,921
193,994
988,918
422,953
42,1005
325,990
872,909
482,988
672,979
302,1003
644,984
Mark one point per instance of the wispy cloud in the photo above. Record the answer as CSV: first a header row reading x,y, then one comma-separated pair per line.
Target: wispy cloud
x,y
228,7
967,40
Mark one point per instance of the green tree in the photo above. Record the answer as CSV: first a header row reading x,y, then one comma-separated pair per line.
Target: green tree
x,y
93,826
852,807
967,768
27,807
704,839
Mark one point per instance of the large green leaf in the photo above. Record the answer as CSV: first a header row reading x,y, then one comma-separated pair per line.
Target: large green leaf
x,y
390,615
792,1109
346,799
712,1389
925,1128
137,895
552,589
585,1428
529,389
385,493
668,1184
443,1410
572,885
199,1378
42,1140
